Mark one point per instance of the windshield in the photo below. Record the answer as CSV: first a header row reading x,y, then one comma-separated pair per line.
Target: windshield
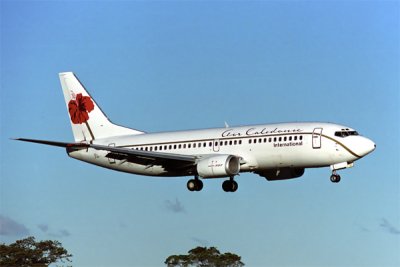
x,y
345,133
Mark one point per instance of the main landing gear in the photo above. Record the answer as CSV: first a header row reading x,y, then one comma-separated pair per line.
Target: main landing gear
x,y
195,184
230,185
335,178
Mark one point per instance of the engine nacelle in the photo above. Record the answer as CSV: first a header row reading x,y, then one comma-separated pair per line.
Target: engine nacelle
x,y
282,174
218,166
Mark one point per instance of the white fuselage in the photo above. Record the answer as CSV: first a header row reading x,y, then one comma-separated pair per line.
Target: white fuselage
x,y
260,147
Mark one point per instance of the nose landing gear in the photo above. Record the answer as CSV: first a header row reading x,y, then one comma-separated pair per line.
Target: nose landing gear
x,y
335,178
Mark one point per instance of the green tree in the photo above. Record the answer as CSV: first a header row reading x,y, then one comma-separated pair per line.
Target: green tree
x,y
204,257
27,253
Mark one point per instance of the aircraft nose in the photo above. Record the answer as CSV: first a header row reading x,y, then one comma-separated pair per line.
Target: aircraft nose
x,y
365,146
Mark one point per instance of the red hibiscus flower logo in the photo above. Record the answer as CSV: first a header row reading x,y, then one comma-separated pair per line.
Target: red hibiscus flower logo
x,y
79,109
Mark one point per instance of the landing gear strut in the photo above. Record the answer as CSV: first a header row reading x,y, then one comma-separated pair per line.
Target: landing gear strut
x,y
335,178
195,184
230,185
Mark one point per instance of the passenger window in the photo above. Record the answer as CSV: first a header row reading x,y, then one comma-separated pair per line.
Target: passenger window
x,y
189,145
155,148
290,138
194,145
179,146
301,137
240,142
249,141
274,139
269,140
174,146
204,144
280,139
210,144
285,138
230,142
235,142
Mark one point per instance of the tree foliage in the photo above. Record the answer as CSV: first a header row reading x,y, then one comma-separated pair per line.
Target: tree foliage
x,y
27,253
204,257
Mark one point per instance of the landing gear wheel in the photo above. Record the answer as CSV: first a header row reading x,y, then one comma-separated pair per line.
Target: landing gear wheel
x,y
195,185
226,186
230,186
234,186
199,185
191,185
335,178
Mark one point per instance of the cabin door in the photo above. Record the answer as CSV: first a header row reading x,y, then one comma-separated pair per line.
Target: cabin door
x,y
316,138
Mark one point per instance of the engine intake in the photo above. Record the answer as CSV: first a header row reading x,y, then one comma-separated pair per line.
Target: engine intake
x,y
218,166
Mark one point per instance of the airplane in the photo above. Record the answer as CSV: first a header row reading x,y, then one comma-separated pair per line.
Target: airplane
x,y
275,151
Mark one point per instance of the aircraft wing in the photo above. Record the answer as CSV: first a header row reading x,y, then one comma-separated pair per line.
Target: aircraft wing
x,y
169,161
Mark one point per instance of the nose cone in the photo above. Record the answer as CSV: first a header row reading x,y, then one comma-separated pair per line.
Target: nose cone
x,y
364,146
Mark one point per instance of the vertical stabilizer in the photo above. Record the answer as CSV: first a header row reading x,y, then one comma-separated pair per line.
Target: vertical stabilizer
x,y
87,119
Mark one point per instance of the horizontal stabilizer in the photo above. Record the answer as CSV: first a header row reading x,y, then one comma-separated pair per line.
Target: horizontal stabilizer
x,y
52,143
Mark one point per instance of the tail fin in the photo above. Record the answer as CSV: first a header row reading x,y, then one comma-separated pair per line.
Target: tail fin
x,y
87,119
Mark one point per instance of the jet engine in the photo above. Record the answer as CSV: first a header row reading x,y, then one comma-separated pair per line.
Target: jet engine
x,y
282,174
218,166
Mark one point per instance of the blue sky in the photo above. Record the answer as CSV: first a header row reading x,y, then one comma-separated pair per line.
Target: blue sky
x,y
160,66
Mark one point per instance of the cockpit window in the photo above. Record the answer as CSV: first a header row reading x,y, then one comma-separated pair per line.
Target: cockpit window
x,y
345,133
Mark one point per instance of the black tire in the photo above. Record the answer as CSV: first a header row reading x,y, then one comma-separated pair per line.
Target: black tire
x,y
335,178
234,186
191,185
226,186
199,185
